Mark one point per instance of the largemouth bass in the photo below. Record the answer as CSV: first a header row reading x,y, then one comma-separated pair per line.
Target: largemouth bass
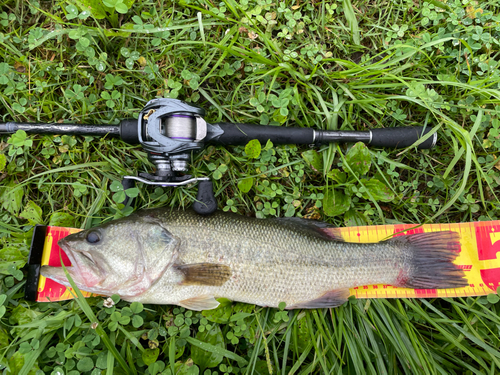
x,y
178,257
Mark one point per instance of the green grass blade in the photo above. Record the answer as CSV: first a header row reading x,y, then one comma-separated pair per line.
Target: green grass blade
x,y
352,21
217,350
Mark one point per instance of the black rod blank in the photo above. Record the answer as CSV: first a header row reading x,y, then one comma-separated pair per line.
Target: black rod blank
x,y
60,129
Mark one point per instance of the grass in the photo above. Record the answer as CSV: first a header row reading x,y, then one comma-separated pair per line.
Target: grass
x,y
348,64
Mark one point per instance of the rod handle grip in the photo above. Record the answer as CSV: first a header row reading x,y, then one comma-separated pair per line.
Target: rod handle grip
x,y
241,134
402,137
129,131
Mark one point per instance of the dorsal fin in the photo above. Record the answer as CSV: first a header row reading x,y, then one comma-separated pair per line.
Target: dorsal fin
x,y
311,227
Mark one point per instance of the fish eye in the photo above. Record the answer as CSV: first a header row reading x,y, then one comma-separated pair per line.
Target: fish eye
x,y
93,237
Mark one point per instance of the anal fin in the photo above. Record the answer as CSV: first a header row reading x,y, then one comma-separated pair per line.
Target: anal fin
x,y
333,298
199,303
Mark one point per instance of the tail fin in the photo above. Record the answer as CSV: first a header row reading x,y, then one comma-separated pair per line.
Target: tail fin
x,y
428,261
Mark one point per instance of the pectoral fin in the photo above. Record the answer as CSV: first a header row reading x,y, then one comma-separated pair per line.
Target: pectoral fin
x,y
204,274
332,298
200,303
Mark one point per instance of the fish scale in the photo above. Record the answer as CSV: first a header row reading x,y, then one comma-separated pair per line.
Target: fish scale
x,y
166,256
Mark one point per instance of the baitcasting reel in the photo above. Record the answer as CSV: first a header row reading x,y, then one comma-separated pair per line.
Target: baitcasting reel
x,y
168,130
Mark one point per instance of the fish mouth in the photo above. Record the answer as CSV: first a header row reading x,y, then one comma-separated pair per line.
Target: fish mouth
x,y
57,274
83,270
63,244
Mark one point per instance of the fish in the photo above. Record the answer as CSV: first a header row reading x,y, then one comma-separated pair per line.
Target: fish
x,y
177,257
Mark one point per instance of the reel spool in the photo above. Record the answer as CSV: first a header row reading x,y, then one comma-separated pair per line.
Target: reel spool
x,y
169,130
180,127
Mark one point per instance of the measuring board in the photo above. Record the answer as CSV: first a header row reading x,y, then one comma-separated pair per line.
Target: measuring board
x,y
479,245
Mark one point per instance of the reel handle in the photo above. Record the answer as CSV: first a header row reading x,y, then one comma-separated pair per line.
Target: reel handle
x,y
128,183
206,203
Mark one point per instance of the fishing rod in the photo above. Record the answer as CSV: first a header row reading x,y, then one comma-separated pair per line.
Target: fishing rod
x,y
170,129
